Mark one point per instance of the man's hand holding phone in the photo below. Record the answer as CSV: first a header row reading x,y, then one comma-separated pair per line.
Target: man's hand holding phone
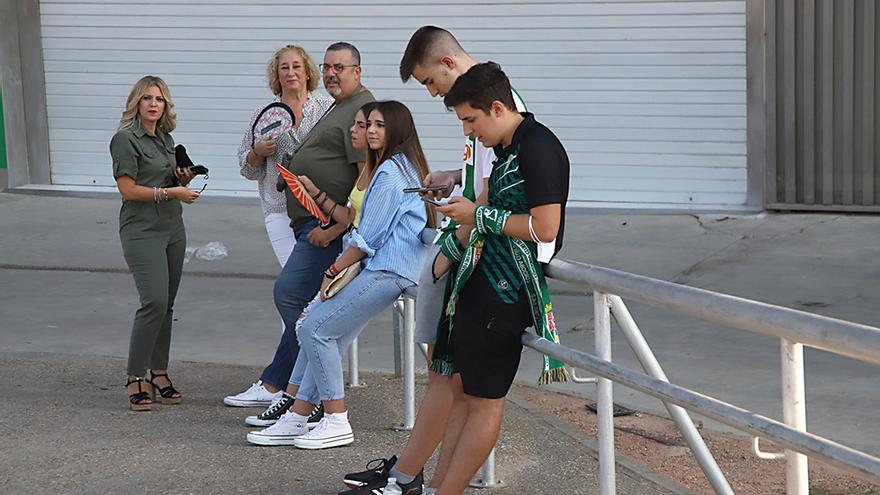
x,y
439,184
459,209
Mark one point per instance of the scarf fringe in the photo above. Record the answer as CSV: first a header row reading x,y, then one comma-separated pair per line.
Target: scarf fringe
x,y
557,375
442,367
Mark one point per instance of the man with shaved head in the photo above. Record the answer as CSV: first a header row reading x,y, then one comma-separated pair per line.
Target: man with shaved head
x,y
436,59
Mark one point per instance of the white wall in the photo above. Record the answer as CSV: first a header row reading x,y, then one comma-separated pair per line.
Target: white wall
x,y
648,97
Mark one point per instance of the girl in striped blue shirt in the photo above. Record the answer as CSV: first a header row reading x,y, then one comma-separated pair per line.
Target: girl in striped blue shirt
x,y
388,243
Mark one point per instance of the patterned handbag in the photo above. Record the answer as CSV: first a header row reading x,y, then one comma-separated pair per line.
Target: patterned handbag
x,y
341,279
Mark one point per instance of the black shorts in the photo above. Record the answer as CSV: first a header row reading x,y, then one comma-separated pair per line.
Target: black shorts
x,y
486,338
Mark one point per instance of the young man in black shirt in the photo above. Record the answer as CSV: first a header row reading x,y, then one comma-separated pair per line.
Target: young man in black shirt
x,y
499,288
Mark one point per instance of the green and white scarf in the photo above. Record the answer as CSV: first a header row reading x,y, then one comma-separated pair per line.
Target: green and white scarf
x,y
491,220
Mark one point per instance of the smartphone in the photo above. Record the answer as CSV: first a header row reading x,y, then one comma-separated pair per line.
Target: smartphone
x,y
436,202
424,190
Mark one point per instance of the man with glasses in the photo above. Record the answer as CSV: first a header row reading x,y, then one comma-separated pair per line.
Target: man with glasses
x,y
327,157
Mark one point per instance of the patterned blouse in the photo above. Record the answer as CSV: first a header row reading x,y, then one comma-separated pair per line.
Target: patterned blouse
x,y
271,200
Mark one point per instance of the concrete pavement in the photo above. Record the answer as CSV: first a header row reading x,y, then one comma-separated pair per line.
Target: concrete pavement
x,y
67,292
67,430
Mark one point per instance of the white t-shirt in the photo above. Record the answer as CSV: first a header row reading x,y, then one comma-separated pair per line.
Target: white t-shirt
x,y
482,159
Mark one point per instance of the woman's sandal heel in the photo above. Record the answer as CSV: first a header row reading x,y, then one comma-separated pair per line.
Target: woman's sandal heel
x,y
140,400
167,395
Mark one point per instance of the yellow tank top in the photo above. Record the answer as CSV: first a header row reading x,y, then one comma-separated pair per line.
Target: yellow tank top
x,y
356,199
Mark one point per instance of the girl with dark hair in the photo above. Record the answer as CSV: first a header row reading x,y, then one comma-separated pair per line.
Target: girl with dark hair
x,y
387,242
345,216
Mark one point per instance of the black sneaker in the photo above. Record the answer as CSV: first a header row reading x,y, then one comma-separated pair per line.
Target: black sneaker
x,y
375,476
270,416
316,416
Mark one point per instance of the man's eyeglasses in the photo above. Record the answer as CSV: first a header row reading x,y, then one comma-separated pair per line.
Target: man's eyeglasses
x,y
335,67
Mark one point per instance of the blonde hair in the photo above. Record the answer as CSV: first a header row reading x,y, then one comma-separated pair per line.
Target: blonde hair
x,y
167,122
272,69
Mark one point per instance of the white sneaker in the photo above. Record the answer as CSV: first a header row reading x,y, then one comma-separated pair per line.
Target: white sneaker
x,y
283,432
255,396
333,431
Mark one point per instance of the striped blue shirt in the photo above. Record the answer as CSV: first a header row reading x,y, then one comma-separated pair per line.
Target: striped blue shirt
x,y
391,223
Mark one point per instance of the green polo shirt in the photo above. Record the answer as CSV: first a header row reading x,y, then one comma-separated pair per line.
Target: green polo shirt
x,y
533,171
148,159
327,156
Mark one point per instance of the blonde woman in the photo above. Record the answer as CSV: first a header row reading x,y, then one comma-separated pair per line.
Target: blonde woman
x,y
152,232
293,78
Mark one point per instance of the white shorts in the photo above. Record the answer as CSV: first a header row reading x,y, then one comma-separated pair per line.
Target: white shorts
x,y
429,303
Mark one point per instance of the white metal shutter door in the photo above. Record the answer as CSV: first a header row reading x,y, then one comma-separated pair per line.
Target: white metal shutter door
x,y
649,98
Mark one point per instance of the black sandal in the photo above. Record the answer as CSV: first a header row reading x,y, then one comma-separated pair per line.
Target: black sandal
x,y
140,400
167,395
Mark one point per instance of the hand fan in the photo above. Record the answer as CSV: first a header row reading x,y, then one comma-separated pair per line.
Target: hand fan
x,y
272,121
299,192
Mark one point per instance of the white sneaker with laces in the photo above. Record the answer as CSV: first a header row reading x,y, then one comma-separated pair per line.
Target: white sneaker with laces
x,y
255,396
284,432
333,431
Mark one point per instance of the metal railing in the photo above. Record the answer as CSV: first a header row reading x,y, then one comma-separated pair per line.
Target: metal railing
x,y
794,329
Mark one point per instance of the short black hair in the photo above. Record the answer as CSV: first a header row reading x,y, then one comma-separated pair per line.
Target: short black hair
x,y
424,45
481,85
342,45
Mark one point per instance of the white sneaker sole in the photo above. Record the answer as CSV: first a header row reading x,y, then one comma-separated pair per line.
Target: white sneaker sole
x,y
324,443
255,421
270,440
233,402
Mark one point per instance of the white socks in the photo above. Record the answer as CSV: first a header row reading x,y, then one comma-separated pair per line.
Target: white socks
x,y
337,417
299,418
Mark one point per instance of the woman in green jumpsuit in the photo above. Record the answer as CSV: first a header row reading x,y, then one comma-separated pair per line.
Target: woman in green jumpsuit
x,y
152,232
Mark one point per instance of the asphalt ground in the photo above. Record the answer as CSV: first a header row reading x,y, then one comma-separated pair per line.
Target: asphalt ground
x,y
67,293
66,429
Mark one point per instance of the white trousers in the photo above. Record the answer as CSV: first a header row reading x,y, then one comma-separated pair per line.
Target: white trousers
x,y
280,235
282,239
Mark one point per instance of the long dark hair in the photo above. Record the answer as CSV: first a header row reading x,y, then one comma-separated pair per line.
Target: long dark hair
x,y
400,137
365,109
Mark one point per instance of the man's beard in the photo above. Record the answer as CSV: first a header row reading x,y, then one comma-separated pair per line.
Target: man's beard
x,y
336,92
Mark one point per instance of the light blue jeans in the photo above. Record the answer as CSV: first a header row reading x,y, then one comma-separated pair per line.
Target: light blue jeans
x,y
332,325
